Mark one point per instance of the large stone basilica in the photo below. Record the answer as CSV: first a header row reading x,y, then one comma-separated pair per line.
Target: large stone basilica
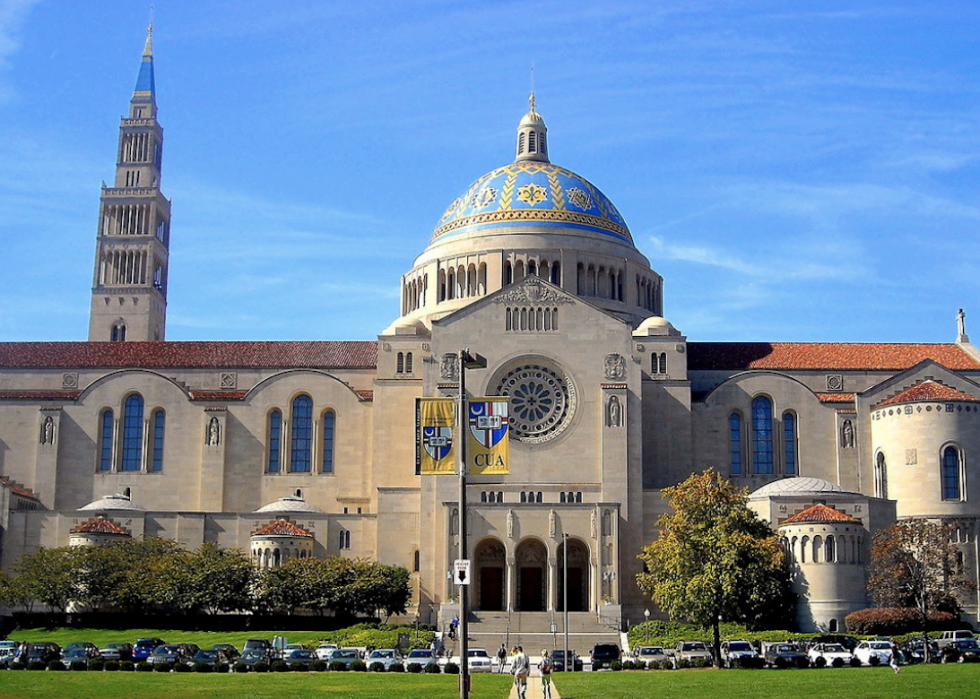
x,y
288,449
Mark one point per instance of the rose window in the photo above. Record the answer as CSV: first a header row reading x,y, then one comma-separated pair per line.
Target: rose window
x,y
542,401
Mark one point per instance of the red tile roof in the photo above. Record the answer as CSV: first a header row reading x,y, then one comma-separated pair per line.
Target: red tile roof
x,y
281,527
100,525
18,489
824,355
166,355
818,514
929,390
835,397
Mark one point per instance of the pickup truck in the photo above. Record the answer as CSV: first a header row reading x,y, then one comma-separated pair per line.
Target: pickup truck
x,y
951,637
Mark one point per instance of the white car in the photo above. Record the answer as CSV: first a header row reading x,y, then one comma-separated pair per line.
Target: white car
x,y
882,650
324,651
734,651
833,654
480,661
651,654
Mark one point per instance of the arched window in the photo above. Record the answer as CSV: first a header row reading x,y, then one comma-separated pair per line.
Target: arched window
x,y
538,497
532,268
329,424
508,273
831,550
417,561
881,476
818,549
951,474
300,454
523,496
483,496
578,496
409,361
735,444
344,539
520,143
561,497
275,440
492,497
762,435
663,362
804,544
556,273
159,423
118,332
400,363
105,441
789,444
132,455
500,496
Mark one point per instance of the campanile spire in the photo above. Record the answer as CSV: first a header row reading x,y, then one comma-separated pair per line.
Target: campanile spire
x,y
532,136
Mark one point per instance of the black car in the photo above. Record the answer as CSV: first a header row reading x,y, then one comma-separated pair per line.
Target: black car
x,y
558,658
914,650
45,652
849,642
963,651
250,657
603,654
170,653
785,655
228,649
209,657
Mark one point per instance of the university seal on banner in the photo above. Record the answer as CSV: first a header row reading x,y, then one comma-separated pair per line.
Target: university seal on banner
x,y
437,442
488,422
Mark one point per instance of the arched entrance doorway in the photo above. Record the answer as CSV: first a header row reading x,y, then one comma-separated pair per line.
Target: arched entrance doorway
x,y
578,576
532,576
490,559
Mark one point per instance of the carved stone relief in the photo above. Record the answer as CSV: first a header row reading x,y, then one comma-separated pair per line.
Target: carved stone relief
x,y
615,366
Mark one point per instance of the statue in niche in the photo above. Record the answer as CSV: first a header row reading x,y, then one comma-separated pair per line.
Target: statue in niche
x,y
213,432
614,412
847,435
47,431
454,522
606,523
510,524
615,365
553,524
593,525
449,367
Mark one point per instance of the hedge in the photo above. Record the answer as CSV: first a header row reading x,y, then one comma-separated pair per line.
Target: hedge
x,y
891,621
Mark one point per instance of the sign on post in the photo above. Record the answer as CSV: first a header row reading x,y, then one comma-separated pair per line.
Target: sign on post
x,y
461,571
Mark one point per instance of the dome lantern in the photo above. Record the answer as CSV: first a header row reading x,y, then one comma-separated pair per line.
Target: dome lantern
x,y
532,137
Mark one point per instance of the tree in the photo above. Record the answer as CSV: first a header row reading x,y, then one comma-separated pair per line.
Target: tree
x,y
916,564
715,561
49,576
220,580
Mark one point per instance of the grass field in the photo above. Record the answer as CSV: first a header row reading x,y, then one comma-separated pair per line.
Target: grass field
x,y
102,685
916,682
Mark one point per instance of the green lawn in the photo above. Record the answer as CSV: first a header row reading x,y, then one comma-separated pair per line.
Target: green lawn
x,y
127,685
916,682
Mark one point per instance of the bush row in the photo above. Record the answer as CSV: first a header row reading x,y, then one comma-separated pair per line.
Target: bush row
x,y
890,621
275,666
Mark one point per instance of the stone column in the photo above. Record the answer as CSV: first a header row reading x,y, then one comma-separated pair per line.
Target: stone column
x,y
553,583
511,582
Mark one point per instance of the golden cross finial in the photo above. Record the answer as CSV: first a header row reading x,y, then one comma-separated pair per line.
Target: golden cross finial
x,y
149,28
531,101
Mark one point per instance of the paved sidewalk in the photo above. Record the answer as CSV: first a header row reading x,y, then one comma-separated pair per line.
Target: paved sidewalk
x,y
534,688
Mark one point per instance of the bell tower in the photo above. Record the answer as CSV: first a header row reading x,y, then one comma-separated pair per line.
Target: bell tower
x,y
129,291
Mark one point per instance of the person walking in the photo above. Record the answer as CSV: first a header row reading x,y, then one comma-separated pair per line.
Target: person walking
x,y
546,666
893,663
502,657
520,667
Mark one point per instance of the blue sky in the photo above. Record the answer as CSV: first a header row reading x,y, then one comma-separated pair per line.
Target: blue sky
x,y
795,170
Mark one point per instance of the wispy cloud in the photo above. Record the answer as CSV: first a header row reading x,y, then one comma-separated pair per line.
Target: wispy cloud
x,y
13,13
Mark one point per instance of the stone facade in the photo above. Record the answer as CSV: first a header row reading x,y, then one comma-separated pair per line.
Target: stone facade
x,y
533,268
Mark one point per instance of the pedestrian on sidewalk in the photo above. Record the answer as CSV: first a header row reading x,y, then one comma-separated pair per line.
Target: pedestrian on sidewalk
x,y
520,667
893,663
502,657
546,666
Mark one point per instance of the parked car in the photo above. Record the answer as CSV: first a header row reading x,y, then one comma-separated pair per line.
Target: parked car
x,y
250,657
45,652
914,650
784,655
117,651
951,637
301,656
651,654
349,655
145,646
325,650
208,657
874,652
231,653
75,655
735,652
479,660
558,658
961,651
603,654
169,653
257,644
386,656
833,654
849,642
89,650
691,651
8,655
422,656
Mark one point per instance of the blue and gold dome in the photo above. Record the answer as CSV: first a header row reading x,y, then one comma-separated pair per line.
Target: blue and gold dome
x,y
532,192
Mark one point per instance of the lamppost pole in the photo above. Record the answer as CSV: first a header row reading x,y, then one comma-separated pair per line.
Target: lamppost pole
x,y
646,615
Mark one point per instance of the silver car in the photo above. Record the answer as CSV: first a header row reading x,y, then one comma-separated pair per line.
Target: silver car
x,y
386,656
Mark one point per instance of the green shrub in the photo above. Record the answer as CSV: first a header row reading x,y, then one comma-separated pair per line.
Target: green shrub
x,y
432,669
892,621
17,665
338,666
112,666
241,667
299,667
203,667
684,664
163,667
358,666
56,666
451,669
376,667
396,667
127,666
260,666
183,667
279,666
78,666
700,663
37,665
143,666
615,666
222,668
318,666
96,665
414,667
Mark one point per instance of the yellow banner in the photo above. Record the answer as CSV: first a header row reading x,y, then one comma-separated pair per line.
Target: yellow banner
x,y
434,438
488,435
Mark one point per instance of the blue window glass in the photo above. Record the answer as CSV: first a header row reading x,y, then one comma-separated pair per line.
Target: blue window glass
x,y
105,451
951,474
329,422
159,423
275,440
789,444
762,461
301,452
735,443
132,451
